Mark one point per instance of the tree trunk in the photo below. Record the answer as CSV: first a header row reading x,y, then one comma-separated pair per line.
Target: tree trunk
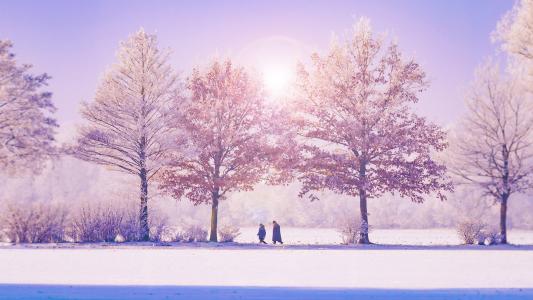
x,y
214,217
144,230
505,196
503,219
363,236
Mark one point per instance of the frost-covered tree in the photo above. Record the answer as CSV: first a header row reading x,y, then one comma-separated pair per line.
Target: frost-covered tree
x,y
26,124
515,31
493,145
231,138
130,122
361,138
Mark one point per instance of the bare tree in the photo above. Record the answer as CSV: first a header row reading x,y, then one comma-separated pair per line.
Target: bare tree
x,y
129,122
26,125
493,146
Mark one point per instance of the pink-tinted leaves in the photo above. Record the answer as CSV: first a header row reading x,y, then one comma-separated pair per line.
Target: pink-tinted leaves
x,y
359,133
233,133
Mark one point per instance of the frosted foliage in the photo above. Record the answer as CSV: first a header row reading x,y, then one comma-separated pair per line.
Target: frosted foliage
x,y
129,121
26,126
230,134
516,30
360,136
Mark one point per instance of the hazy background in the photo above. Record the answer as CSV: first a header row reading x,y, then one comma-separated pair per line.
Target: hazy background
x,y
75,41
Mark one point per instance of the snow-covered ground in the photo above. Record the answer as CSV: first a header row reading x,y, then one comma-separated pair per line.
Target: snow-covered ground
x,y
361,268
296,271
320,238
440,236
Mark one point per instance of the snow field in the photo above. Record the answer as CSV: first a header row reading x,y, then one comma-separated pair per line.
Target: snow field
x,y
396,269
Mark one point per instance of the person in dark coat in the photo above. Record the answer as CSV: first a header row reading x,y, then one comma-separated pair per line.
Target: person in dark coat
x,y
262,233
276,233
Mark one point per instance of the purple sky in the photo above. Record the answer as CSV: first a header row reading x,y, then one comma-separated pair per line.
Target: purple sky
x,y
75,41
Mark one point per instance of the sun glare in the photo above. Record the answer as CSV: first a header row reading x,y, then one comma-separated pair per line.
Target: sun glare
x,y
277,79
275,59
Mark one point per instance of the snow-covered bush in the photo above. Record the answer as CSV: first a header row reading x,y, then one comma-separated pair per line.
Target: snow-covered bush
x,y
489,241
471,232
228,234
491,237
159,228
35,222
352,229
191,234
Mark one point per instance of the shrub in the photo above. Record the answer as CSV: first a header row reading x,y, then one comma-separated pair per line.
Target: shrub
x,y
228,234
96,223
3,236
351,230
179,236
41,222
35,222
491,237
104,223
471,232
159,229
191,234
130,227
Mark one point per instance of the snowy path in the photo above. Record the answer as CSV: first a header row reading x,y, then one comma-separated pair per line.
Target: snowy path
x,y
338,269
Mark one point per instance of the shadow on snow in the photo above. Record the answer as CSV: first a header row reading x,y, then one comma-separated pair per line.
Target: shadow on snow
x,y
18,292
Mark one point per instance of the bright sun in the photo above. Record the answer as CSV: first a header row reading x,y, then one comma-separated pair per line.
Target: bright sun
x,y
275,59
277,79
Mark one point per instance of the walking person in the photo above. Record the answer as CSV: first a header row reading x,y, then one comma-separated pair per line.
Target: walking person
x,y
276,233
262,234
